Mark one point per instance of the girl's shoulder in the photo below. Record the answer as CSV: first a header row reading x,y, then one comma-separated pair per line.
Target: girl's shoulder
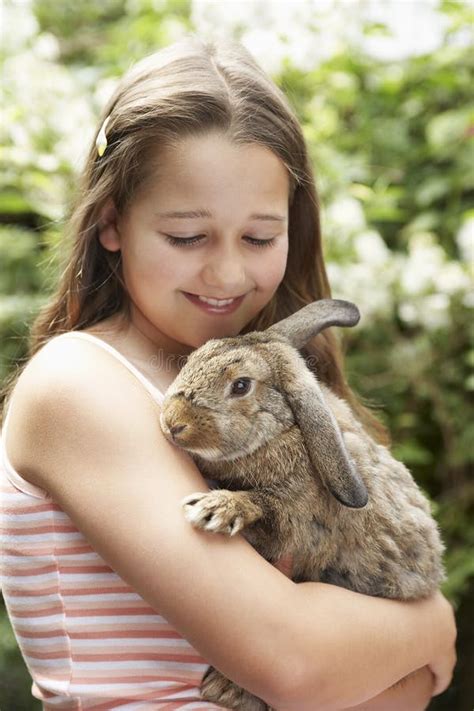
x,y
72,360
67,378
82,359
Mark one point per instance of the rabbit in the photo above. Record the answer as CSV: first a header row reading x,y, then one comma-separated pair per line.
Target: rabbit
x,y
300,475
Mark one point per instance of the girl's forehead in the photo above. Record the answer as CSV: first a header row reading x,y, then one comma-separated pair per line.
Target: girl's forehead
x,y
212,166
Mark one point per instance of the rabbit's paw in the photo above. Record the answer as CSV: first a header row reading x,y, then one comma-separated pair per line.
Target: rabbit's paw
x,y
220,511
217,688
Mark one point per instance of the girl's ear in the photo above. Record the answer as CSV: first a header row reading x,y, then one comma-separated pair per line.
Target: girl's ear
x,y
109,236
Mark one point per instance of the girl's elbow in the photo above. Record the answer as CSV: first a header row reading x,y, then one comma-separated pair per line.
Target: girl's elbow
x,y
297,688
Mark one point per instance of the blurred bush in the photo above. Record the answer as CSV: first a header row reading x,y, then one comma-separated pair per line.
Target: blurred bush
x,y
392,146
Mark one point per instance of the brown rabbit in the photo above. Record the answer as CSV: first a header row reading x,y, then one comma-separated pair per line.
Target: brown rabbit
x,y
299,474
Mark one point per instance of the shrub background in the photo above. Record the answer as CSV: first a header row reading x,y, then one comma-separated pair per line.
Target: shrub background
x,y
392,145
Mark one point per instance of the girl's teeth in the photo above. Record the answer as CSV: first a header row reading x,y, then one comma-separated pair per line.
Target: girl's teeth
x,y
216,302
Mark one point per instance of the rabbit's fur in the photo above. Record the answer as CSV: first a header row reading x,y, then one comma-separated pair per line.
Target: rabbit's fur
x,y
299,474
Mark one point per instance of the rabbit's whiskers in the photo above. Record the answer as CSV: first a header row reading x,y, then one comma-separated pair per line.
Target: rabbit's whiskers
x,y
213,453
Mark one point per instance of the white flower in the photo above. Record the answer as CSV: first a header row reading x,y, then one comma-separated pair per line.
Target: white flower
x,y
23,24
61,106
431,312
104,89
452,278
18,134
414,28
425,261
362,284
267,49
465,240
428,270
434,311
408,312
371,248
345,215
46,46
468,299
47,162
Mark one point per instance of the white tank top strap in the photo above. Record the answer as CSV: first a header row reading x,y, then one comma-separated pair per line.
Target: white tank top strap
x,y
14,477
155,392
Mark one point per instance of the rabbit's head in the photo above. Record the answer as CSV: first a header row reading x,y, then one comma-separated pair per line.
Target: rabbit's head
x,y
235,394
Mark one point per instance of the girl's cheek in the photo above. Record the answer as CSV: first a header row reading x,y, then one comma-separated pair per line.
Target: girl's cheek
x,y
176,267
273,270
165,264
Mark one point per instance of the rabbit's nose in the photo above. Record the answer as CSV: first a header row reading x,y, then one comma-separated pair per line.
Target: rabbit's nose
x,y
176,429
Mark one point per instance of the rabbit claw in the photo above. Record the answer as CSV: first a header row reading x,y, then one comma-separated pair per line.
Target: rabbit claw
x,y
216,511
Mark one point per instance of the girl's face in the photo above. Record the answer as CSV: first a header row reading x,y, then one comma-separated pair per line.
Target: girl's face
x,y
230,240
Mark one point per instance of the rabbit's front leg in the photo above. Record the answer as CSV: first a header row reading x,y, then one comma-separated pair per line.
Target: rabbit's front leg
x,y
221,511
217,688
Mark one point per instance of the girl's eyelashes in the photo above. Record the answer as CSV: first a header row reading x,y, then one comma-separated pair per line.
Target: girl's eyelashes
x,y
183,241
187,241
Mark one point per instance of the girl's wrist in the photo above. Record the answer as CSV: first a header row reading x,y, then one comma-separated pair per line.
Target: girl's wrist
x,y
410,694
363,645
441,649
439,620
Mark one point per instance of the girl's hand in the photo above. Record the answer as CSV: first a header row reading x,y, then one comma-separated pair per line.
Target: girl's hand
x,y
444,655
412,693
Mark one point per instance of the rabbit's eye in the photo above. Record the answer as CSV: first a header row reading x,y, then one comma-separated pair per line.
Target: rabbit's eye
x,y
240,386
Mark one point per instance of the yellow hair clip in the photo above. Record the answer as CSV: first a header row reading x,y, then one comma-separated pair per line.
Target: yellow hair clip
x,y
101,140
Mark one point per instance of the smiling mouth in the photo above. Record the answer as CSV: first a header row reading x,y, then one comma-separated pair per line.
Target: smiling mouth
x,y
215,307
216,302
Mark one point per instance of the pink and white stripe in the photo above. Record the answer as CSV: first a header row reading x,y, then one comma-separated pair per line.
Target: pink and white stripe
x,y
88,639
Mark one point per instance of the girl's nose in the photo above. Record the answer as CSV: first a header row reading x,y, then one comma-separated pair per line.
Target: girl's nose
x,y
225,273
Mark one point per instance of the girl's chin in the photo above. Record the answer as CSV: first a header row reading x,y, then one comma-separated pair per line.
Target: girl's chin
x,y
200,336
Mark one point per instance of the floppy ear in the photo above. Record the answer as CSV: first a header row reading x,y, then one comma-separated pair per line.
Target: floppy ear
x,y
306,323
323,439
320,431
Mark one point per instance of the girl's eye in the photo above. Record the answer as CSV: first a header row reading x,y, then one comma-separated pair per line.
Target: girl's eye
x,y
261,242
183,241
187,241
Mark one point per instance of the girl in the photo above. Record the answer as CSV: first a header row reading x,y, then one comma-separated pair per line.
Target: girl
x,y
197,218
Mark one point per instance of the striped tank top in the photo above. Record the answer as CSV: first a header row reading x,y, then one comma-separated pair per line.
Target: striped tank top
x,y
88,639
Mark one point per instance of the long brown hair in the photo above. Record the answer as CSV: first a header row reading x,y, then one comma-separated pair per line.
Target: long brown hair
x,y
187,89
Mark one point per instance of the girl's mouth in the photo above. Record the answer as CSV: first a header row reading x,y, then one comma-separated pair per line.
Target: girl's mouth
x,y
215,306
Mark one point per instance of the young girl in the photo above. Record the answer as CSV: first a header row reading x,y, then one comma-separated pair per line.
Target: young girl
x,y
197,218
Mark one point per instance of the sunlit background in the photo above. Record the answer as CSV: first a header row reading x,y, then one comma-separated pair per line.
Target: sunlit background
x,y
383,89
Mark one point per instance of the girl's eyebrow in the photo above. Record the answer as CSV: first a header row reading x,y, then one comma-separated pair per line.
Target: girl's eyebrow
x,y
200,212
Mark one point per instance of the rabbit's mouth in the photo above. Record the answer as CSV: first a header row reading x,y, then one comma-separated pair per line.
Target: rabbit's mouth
x,y
171,432
185,436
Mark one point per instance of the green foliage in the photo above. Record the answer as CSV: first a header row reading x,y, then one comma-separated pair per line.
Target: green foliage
x,y
28,268
392,147
15,682
111,34
391,127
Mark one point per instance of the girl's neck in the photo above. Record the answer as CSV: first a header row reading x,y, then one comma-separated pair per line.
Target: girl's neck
x,y
128,336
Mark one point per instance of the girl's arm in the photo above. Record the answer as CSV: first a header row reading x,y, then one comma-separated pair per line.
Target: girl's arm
x,y
367,640
84,429
411,694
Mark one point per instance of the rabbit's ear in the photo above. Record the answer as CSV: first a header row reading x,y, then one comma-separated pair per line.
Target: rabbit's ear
x,y
321,434
302,326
